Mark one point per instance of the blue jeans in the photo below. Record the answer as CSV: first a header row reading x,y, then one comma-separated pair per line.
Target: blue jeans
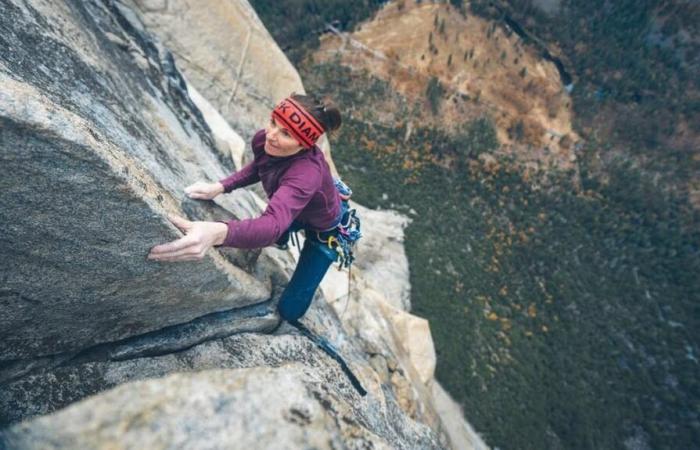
x,y
315,259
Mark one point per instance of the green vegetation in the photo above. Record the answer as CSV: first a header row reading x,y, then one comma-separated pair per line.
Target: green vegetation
x,y
560,320
296,24
459,4
633,72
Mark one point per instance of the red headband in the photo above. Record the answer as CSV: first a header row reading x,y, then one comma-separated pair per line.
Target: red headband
x,y
302,125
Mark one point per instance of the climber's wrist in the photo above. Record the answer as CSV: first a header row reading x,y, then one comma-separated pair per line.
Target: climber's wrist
x,y
220,233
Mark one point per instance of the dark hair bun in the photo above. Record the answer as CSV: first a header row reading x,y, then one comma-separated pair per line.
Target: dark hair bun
x,y
324,111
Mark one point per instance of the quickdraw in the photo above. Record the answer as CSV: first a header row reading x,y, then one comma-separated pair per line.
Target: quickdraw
x,y
343,242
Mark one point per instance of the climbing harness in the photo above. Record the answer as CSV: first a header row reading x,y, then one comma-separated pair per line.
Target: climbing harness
x,y
326,346
341,238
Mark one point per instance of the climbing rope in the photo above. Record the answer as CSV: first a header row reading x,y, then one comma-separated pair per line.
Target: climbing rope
x,y
347,297
326,346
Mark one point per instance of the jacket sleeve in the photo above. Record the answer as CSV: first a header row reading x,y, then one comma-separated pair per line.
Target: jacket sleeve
x,y
297,186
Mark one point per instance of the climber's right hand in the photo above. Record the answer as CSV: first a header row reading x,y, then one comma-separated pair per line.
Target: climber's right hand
x,y
204,191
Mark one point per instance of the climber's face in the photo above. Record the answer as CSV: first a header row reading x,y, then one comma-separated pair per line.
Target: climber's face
x,y
279,141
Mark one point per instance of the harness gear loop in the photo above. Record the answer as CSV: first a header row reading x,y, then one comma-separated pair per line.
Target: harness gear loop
x,y
331,240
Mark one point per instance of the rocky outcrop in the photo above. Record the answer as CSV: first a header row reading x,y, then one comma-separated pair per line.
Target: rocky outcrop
x,y
382,265
227,54
461,434
226,402
210,409
99,137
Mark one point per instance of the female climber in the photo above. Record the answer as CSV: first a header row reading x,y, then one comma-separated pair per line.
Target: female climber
x,y
302,195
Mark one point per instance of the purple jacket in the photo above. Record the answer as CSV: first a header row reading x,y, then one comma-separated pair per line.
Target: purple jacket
x,y
298,187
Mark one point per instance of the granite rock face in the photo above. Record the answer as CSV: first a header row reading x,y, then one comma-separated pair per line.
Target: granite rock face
x,y
227,54
383,262
99,138
282,373
219,409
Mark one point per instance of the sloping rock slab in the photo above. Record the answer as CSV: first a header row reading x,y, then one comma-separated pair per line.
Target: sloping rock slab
x,y
300,400
98,138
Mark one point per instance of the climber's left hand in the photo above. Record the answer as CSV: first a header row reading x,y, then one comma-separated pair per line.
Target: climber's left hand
x,y
199,238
